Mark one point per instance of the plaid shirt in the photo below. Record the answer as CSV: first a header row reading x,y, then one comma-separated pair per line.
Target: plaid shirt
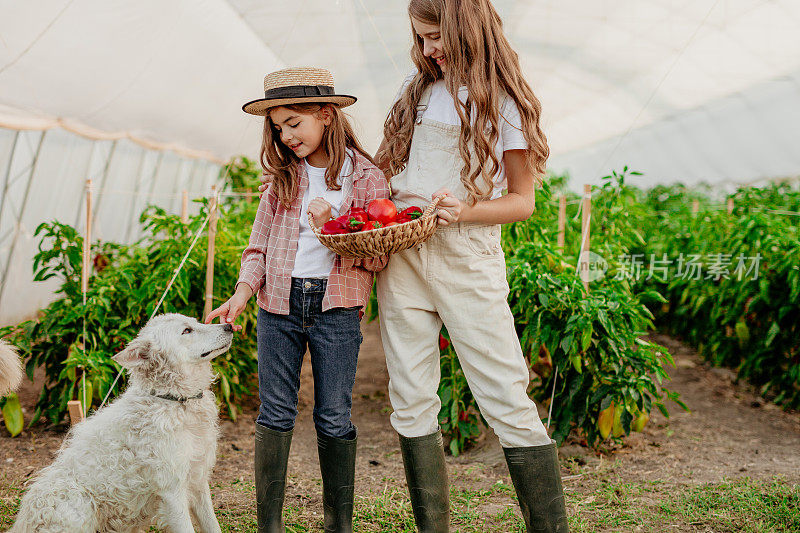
x,y
268,260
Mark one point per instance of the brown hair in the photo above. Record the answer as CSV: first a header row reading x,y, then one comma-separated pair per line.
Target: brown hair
x,y
281,164
479,56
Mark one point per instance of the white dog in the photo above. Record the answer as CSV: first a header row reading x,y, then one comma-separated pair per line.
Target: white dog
x,y
146,458
10,368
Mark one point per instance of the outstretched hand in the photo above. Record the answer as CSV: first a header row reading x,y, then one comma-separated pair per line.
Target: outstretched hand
x,y
231,309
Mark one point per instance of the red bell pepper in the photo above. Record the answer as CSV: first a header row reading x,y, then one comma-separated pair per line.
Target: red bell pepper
x,y
358,219
383,210
411,213
350,223
443,342
334,227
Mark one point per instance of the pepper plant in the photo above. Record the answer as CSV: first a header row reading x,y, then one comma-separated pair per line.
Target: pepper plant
x,y
125,286
739,306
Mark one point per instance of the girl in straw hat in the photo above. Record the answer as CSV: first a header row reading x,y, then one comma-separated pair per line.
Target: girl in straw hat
x,y
464,126
308,296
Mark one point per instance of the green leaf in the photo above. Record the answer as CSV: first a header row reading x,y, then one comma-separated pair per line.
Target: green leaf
x,y
225,387
606,402
743,333
12,414
89,391
446,394
586,337
576,362
566,343
773,331
454,447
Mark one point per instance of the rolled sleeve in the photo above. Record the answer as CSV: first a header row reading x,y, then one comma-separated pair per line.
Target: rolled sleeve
x,y
253,269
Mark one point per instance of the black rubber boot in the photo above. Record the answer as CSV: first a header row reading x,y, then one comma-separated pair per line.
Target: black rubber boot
x,y
337,462
426,475
537,480
271,456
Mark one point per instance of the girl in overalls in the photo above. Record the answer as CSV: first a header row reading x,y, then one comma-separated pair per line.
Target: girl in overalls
x,y
465,126
308,297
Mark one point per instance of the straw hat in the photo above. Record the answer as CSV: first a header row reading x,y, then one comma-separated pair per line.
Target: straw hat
x,y
297,85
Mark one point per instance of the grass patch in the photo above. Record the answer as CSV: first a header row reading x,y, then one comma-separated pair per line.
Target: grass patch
x,y
741,505
9,503
470,511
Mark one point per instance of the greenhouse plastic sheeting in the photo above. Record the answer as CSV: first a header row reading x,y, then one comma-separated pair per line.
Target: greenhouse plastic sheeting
x,y
177,72
125,178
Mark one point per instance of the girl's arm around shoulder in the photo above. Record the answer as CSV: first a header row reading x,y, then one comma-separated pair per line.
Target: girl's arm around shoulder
x,y
253,269
374,186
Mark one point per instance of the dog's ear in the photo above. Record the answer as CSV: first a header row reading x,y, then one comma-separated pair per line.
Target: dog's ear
x,y
134,354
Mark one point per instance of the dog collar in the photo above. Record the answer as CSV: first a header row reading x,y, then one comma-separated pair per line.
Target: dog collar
x,y
181,399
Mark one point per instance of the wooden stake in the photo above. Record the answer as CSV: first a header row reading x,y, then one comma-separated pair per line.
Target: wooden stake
x,y
250,195
85,272
730,205
695,206
75,411
585,231
562,220
87,240
212,234
185,207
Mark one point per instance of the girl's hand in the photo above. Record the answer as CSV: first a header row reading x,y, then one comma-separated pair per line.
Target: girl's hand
x,y
449,209
230,310
264,182
320,209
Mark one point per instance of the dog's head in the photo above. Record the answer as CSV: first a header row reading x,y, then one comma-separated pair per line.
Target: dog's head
x,y
173,350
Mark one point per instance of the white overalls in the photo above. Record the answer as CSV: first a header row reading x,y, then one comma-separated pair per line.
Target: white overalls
x,y
457,277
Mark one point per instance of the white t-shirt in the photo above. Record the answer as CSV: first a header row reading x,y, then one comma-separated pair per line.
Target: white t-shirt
x,y
313,260
442,108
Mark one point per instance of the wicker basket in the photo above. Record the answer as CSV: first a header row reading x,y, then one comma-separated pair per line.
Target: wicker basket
x,y
382,241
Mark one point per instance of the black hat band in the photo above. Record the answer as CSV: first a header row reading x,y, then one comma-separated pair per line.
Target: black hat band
x,y
298,91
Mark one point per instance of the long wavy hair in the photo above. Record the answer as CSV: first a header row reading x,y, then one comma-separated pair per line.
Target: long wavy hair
x,y
281,165
479,57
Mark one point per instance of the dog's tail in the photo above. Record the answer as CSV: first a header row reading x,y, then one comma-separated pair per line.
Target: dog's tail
x,y
10,368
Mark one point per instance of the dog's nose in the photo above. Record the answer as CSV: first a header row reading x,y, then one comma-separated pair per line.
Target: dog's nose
x,y
227,327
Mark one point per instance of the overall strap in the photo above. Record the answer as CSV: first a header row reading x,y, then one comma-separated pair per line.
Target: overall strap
x,y
423,103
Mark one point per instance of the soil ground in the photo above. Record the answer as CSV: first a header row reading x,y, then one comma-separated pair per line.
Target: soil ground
x,y
729,433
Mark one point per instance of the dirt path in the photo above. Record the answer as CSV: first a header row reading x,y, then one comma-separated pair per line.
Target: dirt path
x,y
729,433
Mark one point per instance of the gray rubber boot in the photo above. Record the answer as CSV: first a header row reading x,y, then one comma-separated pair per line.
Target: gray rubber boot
x,y
426,475
271,456
537,479
337,463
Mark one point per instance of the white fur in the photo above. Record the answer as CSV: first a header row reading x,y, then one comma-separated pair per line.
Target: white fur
x,y
142,460
10,368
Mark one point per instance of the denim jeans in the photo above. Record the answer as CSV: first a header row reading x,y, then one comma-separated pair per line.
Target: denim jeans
x,y
333,339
